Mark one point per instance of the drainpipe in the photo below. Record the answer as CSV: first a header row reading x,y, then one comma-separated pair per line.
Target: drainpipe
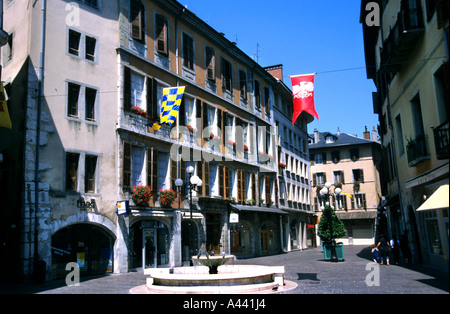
x,y
39,268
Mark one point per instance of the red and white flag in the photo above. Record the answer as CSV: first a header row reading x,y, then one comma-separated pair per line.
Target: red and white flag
x,y
303,90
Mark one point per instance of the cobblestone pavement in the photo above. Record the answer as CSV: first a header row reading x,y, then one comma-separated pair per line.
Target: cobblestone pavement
x,y
306,268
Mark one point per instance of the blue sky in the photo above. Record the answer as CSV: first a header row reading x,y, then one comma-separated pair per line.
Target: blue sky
x,y
306,36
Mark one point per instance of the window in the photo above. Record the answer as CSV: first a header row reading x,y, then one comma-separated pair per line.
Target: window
x,y
257,94
90,48
74,42
132,165
72,101
401,145
243,84
152,168
188,51
358,175
338,176
137,90
320,158
137,20
354,154
90,95
319,178
161,34
336,156
92,3
8,50
81,107
89,173
227,82
360,201
210,64
72,161
267,100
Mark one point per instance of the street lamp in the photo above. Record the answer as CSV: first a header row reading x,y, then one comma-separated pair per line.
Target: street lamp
x,y
193,182
325,194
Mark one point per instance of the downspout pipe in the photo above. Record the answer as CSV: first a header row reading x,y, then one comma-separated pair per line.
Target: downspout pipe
x,y
39,267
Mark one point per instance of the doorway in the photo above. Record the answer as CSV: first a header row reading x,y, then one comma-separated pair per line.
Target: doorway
x,y
150,244
213,233
268,238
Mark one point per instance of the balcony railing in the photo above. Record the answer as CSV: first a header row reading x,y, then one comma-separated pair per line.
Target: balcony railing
x,y
441,140
402,38
416,151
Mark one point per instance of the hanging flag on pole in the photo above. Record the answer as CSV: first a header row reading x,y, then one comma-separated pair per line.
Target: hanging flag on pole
x,y
5,120
303,91
171,102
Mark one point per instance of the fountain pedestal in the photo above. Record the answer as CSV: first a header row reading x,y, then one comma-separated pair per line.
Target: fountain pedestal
x,y
212,262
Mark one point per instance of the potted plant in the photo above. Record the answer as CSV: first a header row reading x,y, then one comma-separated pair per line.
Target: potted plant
x,y
281,165
141,195
245,148
233,200
139,111
249,202
269,203
166,198
331,228
191,129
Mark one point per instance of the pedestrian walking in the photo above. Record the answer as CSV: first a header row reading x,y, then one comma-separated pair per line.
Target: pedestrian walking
x,y
375,254
383,247
395,246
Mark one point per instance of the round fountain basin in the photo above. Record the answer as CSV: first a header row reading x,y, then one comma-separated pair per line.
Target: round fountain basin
x,y
212,261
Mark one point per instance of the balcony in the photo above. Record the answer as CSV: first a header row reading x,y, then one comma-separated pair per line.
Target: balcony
x,y
441,141
416,151
402,38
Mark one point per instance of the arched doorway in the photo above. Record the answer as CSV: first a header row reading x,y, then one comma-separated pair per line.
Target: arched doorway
x,y
88,245
189,240
150,244
240,239
268,238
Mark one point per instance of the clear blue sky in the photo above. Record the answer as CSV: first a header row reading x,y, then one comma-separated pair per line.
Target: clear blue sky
x,y
306,36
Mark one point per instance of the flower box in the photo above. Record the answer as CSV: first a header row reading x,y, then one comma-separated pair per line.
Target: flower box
x,y
141,195
166,198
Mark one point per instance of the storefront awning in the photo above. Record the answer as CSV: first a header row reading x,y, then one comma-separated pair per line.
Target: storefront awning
x,y
272,210
438,200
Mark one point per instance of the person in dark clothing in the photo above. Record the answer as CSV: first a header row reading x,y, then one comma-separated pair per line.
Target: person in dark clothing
x,y
395,246
383,247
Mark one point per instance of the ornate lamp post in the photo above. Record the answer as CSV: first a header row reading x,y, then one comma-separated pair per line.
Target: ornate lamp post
x,y
325,194
193,182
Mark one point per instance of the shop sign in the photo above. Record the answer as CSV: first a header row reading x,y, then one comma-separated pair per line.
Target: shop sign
x,y
123,208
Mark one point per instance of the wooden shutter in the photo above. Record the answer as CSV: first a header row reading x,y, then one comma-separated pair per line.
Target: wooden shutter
x,y
152,101
205,116
221,181
210,64
127,89
227,182
206,180
137,20
253,187
126,166
220,125
267,187
152,168
161,34
200,175
241,185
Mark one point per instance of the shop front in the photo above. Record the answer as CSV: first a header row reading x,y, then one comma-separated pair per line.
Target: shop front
x,y
87,244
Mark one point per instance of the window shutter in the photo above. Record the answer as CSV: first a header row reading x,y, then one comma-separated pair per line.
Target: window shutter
x,y
200,175
127,89
314,179
220,125
182,113
206,181
240,178
253,186
161,34
221,181
205,117
126,166
210,64
227,182
152,107
137,20
267,187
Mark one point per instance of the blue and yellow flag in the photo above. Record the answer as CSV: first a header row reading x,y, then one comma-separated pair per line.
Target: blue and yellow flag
x,y
171,102
5,120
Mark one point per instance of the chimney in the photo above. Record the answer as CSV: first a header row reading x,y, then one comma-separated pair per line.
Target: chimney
x,y
338,132
366,134
316,136
375,135
276,71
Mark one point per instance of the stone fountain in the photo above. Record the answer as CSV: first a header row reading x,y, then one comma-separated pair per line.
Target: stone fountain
x,y
215,274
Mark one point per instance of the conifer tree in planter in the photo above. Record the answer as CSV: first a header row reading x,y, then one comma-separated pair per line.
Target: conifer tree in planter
x,y
338,227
